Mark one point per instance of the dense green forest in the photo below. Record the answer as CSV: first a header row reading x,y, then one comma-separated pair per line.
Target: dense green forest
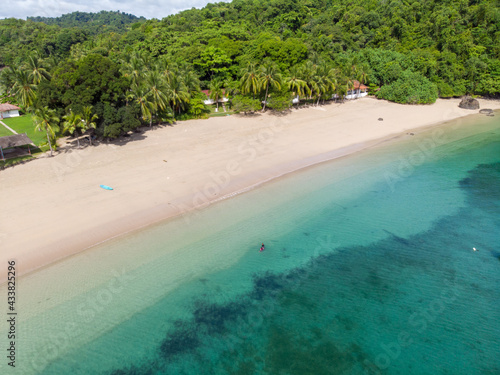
x,y
94,22
124,71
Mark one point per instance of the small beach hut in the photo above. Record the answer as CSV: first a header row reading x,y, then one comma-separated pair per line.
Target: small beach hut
x,y
358,91
9,146
8,110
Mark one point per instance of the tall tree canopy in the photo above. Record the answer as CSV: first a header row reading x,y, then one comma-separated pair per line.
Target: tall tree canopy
x,y
133,71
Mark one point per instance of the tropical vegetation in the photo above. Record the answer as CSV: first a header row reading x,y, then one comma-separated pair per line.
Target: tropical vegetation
x,y
117,72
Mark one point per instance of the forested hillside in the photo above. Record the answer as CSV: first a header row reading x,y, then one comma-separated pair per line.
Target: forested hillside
x,y
104,21
152,71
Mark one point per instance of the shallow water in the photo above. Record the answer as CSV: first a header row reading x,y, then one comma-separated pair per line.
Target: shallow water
x,y
369,268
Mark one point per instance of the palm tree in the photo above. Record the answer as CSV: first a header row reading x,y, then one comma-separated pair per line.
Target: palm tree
x,y
297,85
191,80
147,59
7,79
134,69
167,69
72,122
354,72
37,70
270,76
141,96
216,90
45,119
250,80
346,84
157,91
178,94
341,91
325,81
53,61
349,85
362,78
309,75
88,120
24,90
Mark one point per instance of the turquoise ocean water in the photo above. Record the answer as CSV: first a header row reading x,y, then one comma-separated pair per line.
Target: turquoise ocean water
x,y
369,268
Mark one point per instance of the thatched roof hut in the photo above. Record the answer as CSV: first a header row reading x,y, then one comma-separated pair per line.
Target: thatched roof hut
x,y
13,141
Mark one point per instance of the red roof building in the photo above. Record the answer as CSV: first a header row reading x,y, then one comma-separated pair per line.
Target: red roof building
x,y
360,86
8,110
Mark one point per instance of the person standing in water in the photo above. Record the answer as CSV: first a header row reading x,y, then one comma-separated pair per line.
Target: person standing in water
x,y
262,248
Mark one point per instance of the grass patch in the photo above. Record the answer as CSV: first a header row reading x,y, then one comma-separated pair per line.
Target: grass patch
x,y
221,111
24,124
14,161
221,114
4,131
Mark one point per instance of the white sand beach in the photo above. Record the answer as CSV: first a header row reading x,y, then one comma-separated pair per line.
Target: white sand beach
x,y
53,207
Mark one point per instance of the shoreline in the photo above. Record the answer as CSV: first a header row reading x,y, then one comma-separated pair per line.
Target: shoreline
x,y
56,208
